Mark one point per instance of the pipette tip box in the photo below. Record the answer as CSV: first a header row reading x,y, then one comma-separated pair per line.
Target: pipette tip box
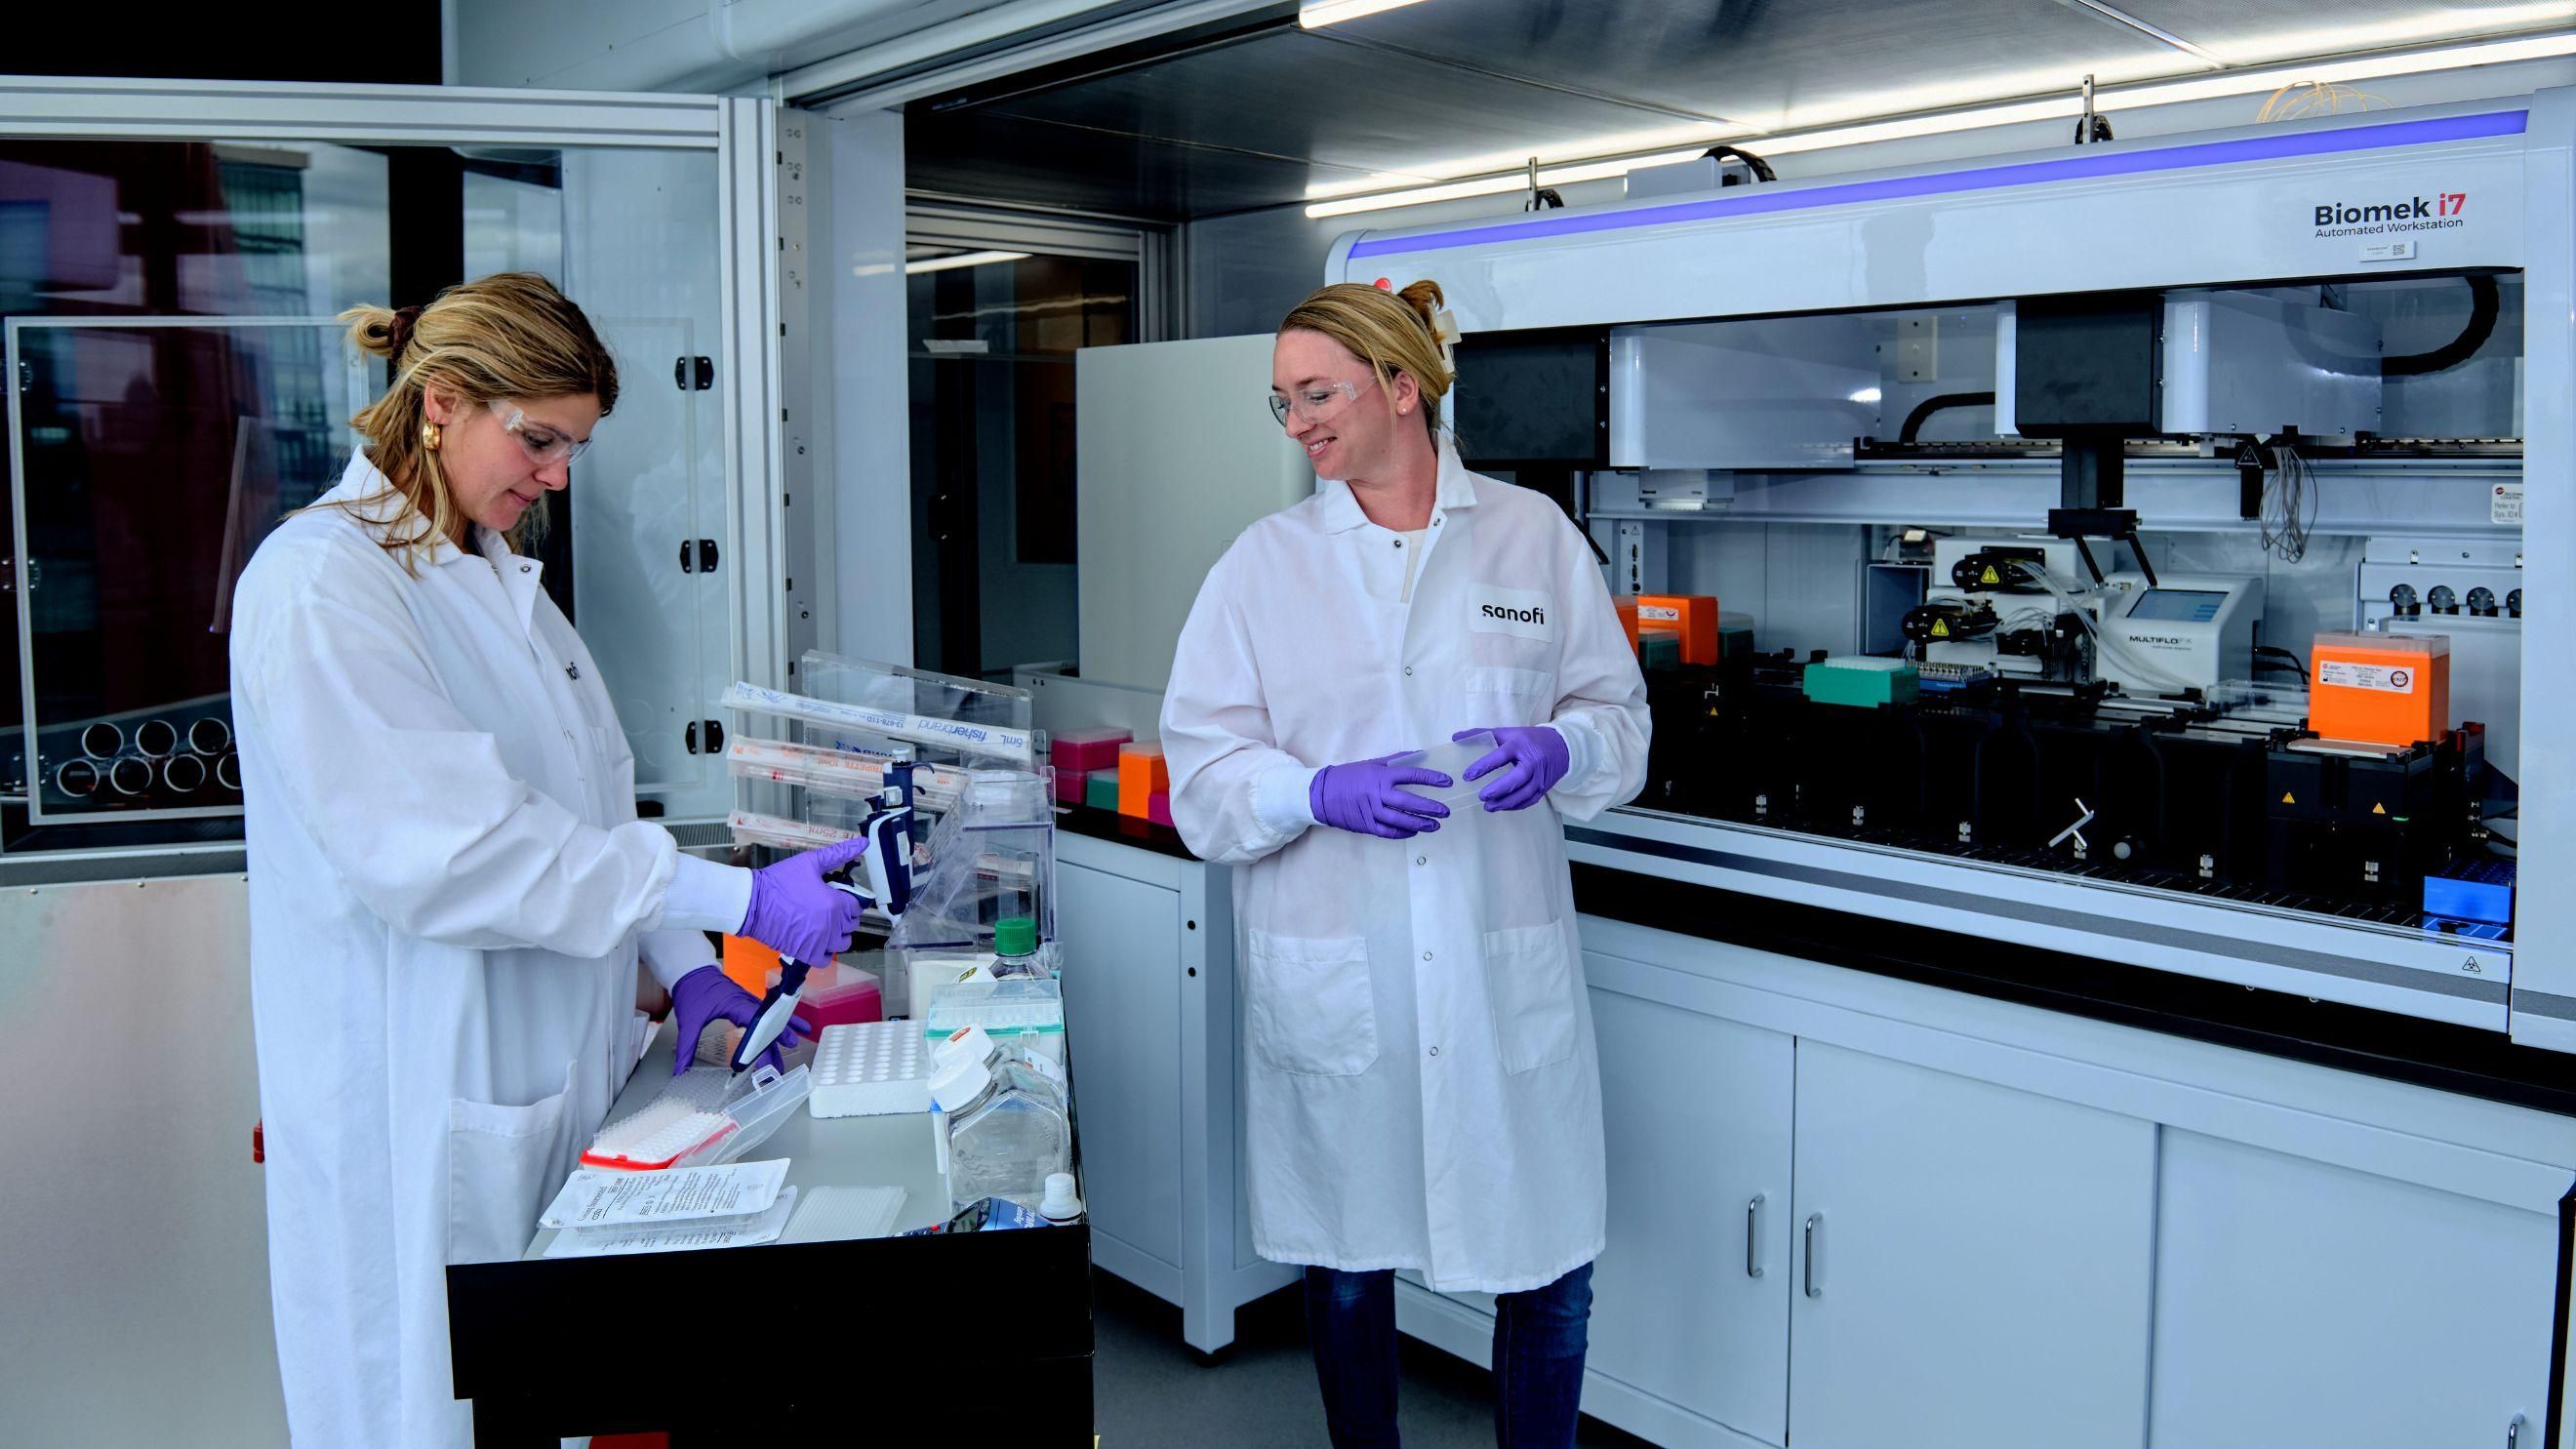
x,y
872,1069
1087,750
1862,680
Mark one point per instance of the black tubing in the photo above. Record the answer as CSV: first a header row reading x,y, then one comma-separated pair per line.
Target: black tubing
x,y
1760,168
1925,409
2483,306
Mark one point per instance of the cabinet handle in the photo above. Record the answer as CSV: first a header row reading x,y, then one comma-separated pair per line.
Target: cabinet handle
x,y
1753,1237
2513,1433
1814,1221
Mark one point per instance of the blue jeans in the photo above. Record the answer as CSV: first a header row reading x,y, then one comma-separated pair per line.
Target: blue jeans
x,y
1539,1339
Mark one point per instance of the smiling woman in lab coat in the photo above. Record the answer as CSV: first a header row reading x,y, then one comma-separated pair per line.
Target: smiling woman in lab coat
x,y
1421,1081
449,889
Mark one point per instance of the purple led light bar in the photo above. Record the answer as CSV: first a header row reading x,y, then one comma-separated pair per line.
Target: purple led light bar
x,y
1758,200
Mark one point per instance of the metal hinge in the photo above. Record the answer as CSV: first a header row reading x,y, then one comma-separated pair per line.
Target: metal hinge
x,y
697,555
710,732
694,374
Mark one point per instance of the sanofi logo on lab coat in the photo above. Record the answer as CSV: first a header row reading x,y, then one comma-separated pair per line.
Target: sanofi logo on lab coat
x,y
1524,612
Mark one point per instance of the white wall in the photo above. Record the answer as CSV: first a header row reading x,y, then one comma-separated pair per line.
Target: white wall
x,y
1246,270
855,164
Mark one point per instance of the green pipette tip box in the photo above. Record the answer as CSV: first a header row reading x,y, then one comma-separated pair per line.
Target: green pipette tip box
x,y
1100,792
1862,681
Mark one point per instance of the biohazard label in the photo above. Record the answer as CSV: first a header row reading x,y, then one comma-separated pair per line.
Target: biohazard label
x,y
1659,613
2387,679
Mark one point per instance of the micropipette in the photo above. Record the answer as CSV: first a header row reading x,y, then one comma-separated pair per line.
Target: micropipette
x,y
888,862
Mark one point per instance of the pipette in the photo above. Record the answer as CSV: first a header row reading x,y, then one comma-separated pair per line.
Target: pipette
x,y
888,863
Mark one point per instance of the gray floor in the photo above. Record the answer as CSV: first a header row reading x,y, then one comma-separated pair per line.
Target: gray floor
x,y
1151,1391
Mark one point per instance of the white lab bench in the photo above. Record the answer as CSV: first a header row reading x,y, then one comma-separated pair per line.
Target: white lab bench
x,y
1978,1222
1969,1221
552,1347
1149,993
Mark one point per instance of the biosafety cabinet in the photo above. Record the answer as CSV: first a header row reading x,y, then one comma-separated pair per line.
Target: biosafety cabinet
x,y
172,260
2127,581
173,263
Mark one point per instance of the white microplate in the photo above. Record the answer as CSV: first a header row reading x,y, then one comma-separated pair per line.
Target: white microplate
x,y
839,1214
871,1068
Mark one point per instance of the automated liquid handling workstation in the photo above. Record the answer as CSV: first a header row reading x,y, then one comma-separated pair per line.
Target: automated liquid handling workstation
x,y
2119,550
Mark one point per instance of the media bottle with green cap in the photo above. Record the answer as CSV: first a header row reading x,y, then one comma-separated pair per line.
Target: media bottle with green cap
x,y
1015,947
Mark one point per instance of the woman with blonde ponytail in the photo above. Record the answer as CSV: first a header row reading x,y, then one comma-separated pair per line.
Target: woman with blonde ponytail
x,y
1420,1085
450,893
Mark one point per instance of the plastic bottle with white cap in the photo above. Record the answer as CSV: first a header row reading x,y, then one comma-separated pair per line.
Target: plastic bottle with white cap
x,y
1025,1070
1060,1206
1003,1140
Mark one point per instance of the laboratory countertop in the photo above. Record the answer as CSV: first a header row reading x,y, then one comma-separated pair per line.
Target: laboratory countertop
x,y
896,1150
547,1348
1120,829
2400,1048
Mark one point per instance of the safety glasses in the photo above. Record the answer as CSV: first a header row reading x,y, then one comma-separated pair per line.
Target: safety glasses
x,y
544,445
1314,402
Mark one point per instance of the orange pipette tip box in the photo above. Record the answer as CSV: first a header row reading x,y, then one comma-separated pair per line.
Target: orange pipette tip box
x,y
1142,774
2380,689
749,964
1693,616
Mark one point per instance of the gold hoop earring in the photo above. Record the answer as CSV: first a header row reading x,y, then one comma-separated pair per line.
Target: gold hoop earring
x,y
429,436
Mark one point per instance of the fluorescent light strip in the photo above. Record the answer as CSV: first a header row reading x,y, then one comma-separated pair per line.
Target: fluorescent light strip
x,y
2052,108
962,259
1319,13
2080,163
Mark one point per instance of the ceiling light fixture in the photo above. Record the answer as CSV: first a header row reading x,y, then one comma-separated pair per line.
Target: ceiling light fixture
x,y
2251,81
962,259
1316,14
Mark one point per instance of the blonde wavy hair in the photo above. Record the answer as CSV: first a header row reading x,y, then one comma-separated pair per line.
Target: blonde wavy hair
x,y
508,335
1392,331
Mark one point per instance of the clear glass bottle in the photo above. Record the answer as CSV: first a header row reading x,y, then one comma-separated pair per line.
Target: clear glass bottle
x,y
1003,1140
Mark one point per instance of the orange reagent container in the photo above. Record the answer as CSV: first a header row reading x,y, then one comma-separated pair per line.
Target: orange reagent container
x,y
1692,617
1142,775
2380,689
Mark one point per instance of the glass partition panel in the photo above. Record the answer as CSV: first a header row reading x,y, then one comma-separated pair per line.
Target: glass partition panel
x,y
178,383
151,458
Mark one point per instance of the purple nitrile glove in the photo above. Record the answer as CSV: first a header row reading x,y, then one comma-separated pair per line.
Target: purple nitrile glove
x,y
795,914
1364,797
707,995
1530,759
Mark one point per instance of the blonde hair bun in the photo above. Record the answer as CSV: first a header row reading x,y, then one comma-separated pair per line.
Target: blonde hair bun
x,y
1426,300
1390,331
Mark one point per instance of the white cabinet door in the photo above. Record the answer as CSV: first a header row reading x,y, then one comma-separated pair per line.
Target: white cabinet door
x,y
1691,1296
1972,1264
2302,1303
1122,1008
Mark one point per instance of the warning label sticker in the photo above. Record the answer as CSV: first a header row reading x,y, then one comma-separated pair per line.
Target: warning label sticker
x,y
1660,613
2390,679
2504,504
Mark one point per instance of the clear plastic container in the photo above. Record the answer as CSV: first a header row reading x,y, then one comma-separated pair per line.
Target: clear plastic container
x,y
1451,759
766,1101
1022,1013
1003,1141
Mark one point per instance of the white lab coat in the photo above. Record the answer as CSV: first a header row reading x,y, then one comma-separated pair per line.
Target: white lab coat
x,y
448,892
1421,1084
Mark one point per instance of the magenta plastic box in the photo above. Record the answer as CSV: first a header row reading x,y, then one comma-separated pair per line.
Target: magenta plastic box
x,y
1087,750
